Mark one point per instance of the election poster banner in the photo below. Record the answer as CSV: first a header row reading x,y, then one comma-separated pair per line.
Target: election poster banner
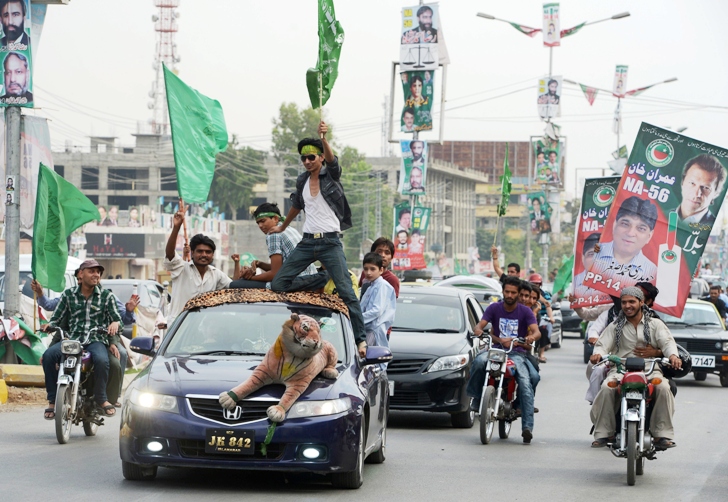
x,y
549,97
420,39
619,86
667,202
597,198
539,211
548,157
418,89
15,54
421,218
409,236
551,25
413,170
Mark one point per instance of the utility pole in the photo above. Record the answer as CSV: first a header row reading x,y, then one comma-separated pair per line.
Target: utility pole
x,y
12,223
378,208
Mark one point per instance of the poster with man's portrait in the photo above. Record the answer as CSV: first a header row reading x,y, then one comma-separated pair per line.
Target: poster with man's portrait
x,y
660,222
418,88
15,53
551,25
619,86
539,212
409,236
548,155
549,96
413,170
420,37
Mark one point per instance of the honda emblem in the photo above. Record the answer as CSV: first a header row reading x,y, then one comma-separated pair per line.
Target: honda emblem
x,y
233,414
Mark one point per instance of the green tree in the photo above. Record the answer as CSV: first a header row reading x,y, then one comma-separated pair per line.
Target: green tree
x,y
236,171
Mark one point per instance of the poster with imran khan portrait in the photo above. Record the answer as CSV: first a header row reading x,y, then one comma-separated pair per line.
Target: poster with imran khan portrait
x,y
420,38
666,204
15,54
413,171
418,88
599,193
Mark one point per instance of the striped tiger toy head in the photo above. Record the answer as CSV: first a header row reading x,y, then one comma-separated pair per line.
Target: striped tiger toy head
x,y
302,336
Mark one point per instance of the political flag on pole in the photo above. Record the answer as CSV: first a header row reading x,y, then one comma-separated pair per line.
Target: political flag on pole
x,y
198,135
505,186
570,31
320,80
589,92
564,275
526,30
60,208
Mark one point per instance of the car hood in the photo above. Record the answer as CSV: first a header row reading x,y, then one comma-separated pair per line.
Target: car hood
x,y
697,332
427,344
180,376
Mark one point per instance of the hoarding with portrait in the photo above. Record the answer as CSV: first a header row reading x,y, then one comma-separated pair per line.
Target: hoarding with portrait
x,y
15,53
549,96
419,37
413,170
548,155
418,88
551,25
539,212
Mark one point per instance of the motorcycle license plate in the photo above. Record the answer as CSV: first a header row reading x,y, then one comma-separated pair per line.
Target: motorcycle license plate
x,y
704,361
230,441
633,394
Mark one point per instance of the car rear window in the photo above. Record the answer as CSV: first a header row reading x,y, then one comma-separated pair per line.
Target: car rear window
x,y
425,312
249,328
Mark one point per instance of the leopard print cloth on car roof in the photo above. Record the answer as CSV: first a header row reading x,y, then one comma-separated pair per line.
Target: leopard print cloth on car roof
x,y
222,296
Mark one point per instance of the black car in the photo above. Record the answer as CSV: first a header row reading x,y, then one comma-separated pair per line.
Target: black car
x,y
432,351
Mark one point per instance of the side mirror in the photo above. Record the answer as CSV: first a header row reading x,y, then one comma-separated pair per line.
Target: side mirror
x,y
487,297
143,345
377,355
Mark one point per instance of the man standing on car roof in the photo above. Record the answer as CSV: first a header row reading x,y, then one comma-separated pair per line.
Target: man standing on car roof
x,y
320,195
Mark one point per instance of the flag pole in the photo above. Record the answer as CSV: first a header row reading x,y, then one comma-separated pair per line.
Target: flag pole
x,y
321,98
497,226
184,226
35,308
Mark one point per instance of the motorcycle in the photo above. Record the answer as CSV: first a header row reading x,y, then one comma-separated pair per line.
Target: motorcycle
x,y
633,440
499,392
74,397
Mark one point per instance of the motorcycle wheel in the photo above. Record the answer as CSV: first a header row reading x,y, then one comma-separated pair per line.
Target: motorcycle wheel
x,y
90,428
504,428
631,452
63,414
487,415
640,466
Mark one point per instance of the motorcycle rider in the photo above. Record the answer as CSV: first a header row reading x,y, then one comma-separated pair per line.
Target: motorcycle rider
x,y
633,325
509,320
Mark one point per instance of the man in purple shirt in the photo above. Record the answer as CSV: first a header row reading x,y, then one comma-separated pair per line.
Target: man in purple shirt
x,y
509,320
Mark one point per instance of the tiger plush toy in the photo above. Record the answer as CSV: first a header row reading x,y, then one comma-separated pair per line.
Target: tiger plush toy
x,y
295,359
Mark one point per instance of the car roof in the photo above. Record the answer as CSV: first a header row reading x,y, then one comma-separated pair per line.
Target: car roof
x,y
473,281
129,281
434,290
228,296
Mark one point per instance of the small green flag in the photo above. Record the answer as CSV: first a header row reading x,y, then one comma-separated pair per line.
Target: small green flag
x,y
526,30
198,135
320,80
564,275
60,208
505,186
570,31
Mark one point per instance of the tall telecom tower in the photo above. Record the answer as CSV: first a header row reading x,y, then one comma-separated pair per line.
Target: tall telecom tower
x,y
165,24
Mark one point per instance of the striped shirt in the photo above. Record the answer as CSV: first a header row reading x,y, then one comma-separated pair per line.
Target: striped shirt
x,y
78,315
283,243
639,269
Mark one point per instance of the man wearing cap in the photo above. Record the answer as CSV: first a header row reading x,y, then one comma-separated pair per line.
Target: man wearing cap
x,y
320,195
190,278
81,309
634,327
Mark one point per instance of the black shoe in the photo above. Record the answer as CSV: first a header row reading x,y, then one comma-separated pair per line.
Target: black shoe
x,y
527,436
475,405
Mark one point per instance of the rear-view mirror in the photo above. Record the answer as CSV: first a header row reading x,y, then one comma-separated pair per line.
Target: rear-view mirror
x,y
143,345
377,355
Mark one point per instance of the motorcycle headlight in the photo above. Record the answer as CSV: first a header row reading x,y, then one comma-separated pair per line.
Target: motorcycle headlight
x,y
725,346
305,409
152,401
496,355
71,347
495,366
449,363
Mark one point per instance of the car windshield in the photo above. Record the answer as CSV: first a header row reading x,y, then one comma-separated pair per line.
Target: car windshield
x,y
695,314
418,312
247,329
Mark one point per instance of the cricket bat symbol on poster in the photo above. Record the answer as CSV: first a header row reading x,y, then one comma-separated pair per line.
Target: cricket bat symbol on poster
x,y
669,259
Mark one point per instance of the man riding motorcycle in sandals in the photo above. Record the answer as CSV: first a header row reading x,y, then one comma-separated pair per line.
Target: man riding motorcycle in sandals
x,y
633,329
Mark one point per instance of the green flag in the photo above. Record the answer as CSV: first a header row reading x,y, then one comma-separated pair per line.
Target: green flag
x,y
564,275
320,80
505,186
198,135
570,31
526,30
60,208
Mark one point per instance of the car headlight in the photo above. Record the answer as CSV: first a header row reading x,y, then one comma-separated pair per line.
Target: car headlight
x,y
153,401
71,347
449,363
725,346
303,409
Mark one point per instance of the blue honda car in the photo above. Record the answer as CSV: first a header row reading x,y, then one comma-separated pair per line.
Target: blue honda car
x,y
171,413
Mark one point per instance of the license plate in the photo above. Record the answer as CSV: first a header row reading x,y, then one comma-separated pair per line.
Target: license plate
x,y
704,361
633,394
391,387
230,441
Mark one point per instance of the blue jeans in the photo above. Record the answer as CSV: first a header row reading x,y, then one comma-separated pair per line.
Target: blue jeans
x,y
99,353
526,375
330,252
300,283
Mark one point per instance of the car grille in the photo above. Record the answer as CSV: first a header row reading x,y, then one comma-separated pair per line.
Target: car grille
x,y
700,346
210,409
409,398
194,448
404,366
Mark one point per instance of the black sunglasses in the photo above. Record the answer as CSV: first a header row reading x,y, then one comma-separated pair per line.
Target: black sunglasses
x,y
310,158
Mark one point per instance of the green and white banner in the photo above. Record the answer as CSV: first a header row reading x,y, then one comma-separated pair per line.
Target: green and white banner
x,y
619,86
418,88
551,25
539,211
413,171
549,160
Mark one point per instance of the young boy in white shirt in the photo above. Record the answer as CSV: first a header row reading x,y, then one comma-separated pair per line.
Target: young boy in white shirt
x,y
378,303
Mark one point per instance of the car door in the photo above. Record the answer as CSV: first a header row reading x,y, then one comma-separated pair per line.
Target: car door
x,y
475,313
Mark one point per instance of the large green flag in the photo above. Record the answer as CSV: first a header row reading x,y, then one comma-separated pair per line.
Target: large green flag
x,y
320,80
60,208
198,135
505,186
564,276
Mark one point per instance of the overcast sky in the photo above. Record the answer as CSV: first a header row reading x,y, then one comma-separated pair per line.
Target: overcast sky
x,y
252,56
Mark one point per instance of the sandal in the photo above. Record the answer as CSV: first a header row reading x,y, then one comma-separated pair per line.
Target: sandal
x,y
117,404
49,413
664,443
542,359
109,410
602,442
